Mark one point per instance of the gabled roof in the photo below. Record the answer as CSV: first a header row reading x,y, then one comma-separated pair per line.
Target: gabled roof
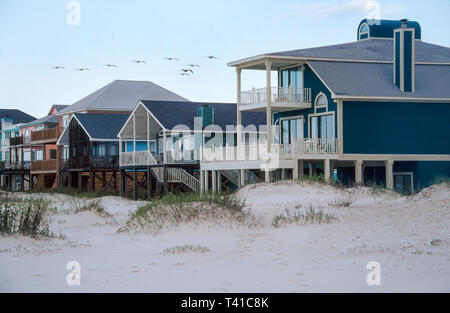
x,y
17,116
59,107
375,80
101,126
121,95
174,113
49,119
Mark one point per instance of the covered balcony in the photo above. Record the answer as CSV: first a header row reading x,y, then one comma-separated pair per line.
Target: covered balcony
x,y
46,135
281,99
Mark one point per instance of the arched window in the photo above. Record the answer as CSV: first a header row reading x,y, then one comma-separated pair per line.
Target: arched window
x,y
363,31
27,133
321,100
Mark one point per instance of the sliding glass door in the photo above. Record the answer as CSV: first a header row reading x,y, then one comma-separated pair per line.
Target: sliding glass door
x,y
291,130
322,126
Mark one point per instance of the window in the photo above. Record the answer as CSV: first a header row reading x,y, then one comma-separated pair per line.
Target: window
x,y
101,149
292,77
27,133
37,155
291,130
38,128
52,154
321,100
364,31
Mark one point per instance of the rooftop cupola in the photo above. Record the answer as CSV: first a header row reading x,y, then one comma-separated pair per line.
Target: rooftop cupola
x,y
404,56
384,29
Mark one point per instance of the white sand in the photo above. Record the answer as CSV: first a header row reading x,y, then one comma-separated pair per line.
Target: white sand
x,y
383,227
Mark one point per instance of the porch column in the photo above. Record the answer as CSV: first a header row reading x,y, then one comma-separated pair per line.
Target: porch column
x,y
358,172
326,170
269,104
148,139
283,174
214,181
120,150
202,182
164,147
206,181
301,166
242,177
219,182
238,112
295,171
267,176
134,140
389,174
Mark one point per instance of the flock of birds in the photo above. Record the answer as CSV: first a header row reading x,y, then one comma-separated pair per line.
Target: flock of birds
x,y
187,71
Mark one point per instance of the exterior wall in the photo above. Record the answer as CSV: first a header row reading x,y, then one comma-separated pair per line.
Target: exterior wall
x,y
424,173
396,128
311,81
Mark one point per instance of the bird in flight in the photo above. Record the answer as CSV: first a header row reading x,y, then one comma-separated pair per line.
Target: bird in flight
x,y
139,61
58,67
211,57
185,74
171,59
110,65
186,70
193,65
82,69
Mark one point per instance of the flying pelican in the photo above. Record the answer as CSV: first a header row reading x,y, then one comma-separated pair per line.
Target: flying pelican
x,y
139,61
185,74
211,57
171,59
185,70
82,69
110,65
58,67
193,65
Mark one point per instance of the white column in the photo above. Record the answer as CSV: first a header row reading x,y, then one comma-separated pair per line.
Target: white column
x,y
390,174
326,170
148,138
214,181
267,176
269,104
120,151
164,147
358,173
238,112
242,177
134,139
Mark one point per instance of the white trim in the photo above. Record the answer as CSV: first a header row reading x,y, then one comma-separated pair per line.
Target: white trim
x,y
294,117
394,157
131,116
320,78
321,114
316,106
381,98
367,32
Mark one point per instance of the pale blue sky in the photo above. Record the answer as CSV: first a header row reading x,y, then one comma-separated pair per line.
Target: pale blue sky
x,y
34,36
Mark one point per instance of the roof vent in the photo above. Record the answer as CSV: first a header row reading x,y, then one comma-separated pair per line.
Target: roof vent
x,y
404,22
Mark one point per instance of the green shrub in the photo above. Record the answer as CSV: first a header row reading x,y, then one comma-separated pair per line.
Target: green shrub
x,y
308,216
24,216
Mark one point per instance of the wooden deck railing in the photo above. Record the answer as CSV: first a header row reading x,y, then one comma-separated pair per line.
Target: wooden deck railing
x,y
17,141
44,166
46,135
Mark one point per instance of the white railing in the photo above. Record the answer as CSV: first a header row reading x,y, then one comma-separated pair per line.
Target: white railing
x,y
254,152
137,158
278,94
177,175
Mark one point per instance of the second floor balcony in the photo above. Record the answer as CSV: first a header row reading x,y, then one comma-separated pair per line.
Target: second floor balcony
x,y
46,135
281,99
44,166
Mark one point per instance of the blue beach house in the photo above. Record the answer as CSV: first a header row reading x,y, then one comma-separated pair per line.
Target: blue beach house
x,y
372,111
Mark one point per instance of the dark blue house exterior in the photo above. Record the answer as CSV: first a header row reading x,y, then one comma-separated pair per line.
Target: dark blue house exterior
x,y
374,111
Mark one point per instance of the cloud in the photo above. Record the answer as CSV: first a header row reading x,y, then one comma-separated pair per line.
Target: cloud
x,y
369,8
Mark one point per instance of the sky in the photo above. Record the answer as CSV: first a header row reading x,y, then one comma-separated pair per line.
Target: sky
x,y
36,35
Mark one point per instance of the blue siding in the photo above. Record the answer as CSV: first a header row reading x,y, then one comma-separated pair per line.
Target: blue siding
x,y
396,128
407,55
140,146
311,81
397,59
425,173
